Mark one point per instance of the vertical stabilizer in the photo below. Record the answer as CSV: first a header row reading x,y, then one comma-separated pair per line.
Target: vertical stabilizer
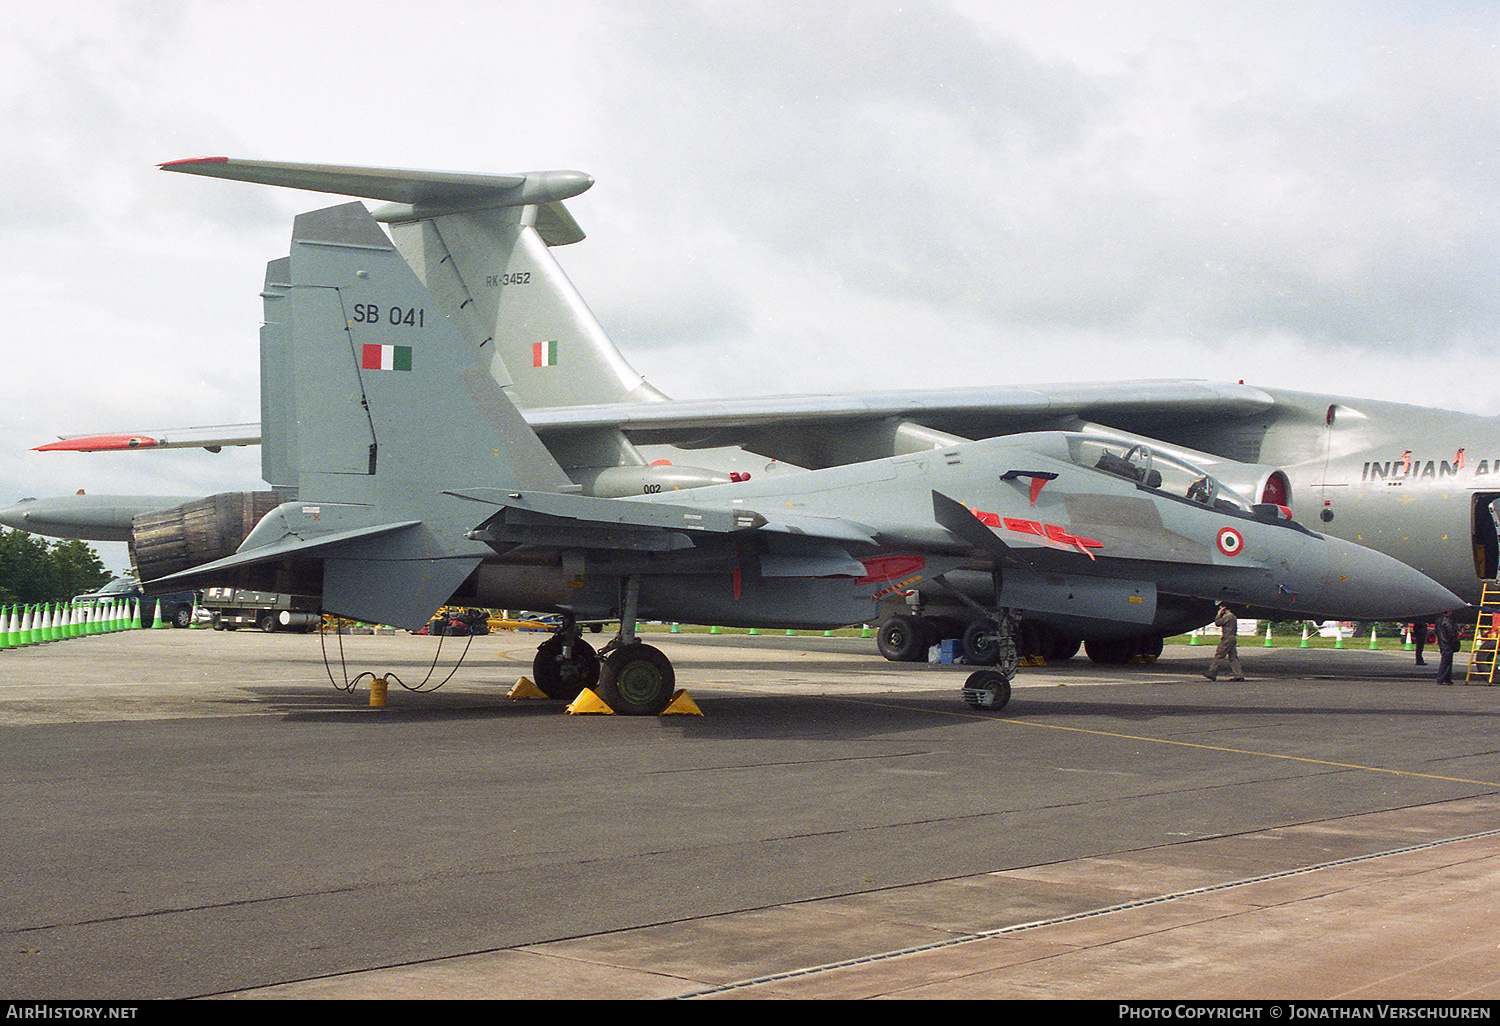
x,y
519,306
381,396
479,242
378,409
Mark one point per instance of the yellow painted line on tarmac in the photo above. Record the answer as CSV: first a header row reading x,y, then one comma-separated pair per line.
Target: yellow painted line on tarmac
x,y
1208,748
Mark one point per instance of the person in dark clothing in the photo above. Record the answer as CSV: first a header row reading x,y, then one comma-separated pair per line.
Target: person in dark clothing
x,y
1447,643
1419,639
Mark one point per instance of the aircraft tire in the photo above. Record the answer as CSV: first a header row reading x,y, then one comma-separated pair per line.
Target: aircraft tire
x,y
1112,652
1037,639
637,680
981,646
564,680
988,690
902,639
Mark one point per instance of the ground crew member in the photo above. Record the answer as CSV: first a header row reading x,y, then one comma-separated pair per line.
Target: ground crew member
x,y
1229,645
1447,643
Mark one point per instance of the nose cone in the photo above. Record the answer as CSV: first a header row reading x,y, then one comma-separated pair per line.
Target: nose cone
x,y
14,515
1364,584
89,517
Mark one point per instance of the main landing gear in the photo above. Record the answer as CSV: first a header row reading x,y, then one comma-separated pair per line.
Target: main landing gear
x,y
631,677
565,664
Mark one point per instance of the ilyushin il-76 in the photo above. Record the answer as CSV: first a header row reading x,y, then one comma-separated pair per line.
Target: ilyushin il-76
x,y
1008,535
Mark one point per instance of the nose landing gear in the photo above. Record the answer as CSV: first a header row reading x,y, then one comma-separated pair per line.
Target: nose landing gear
x,y
995,641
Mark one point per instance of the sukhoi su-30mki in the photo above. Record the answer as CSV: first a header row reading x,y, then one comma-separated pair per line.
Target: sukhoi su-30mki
x,y
410,479
936,513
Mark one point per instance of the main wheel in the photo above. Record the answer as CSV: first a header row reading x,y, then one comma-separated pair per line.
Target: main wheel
x,y
902,639
1111,652
987,689
981,644
564,679
637,680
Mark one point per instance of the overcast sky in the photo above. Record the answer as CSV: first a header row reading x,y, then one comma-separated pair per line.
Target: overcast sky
x,y
790,197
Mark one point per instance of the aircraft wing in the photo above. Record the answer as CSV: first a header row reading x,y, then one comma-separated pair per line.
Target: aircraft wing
x,y
948,409
212,438
971,412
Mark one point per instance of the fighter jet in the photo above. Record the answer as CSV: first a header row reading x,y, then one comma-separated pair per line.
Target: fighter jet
x,y
481,245
379,529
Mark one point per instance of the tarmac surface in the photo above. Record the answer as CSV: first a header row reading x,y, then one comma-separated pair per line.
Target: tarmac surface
x,y
201,814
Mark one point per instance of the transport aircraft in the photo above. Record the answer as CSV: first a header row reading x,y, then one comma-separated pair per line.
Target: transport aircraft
x,y
480,244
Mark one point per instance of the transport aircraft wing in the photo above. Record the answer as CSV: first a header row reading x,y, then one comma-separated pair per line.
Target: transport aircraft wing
x,y
985,411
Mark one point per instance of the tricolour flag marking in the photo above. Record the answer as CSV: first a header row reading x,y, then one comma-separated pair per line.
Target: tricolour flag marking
x,y
378,357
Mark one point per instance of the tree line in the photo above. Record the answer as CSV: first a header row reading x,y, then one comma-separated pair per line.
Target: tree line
x,y
33,570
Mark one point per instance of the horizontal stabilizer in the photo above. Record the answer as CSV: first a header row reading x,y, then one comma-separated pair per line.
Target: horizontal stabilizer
x,y
390,573
415,194
288,547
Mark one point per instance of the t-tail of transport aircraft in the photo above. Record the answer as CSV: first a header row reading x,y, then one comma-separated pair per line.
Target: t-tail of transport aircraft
x,y
1063,523
481,245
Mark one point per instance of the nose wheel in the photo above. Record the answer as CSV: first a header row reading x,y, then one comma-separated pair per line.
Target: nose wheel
x,y
987,689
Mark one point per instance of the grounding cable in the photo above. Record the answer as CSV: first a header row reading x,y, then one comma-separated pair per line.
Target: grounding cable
x,y
350,685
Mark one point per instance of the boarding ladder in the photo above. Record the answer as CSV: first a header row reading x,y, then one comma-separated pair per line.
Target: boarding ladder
x,y
1486,650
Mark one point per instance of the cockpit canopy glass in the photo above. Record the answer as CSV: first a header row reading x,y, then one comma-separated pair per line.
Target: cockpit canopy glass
x,y
1151,468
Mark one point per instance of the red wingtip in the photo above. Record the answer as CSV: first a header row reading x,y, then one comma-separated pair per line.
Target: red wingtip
x,y
98,443
195,160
